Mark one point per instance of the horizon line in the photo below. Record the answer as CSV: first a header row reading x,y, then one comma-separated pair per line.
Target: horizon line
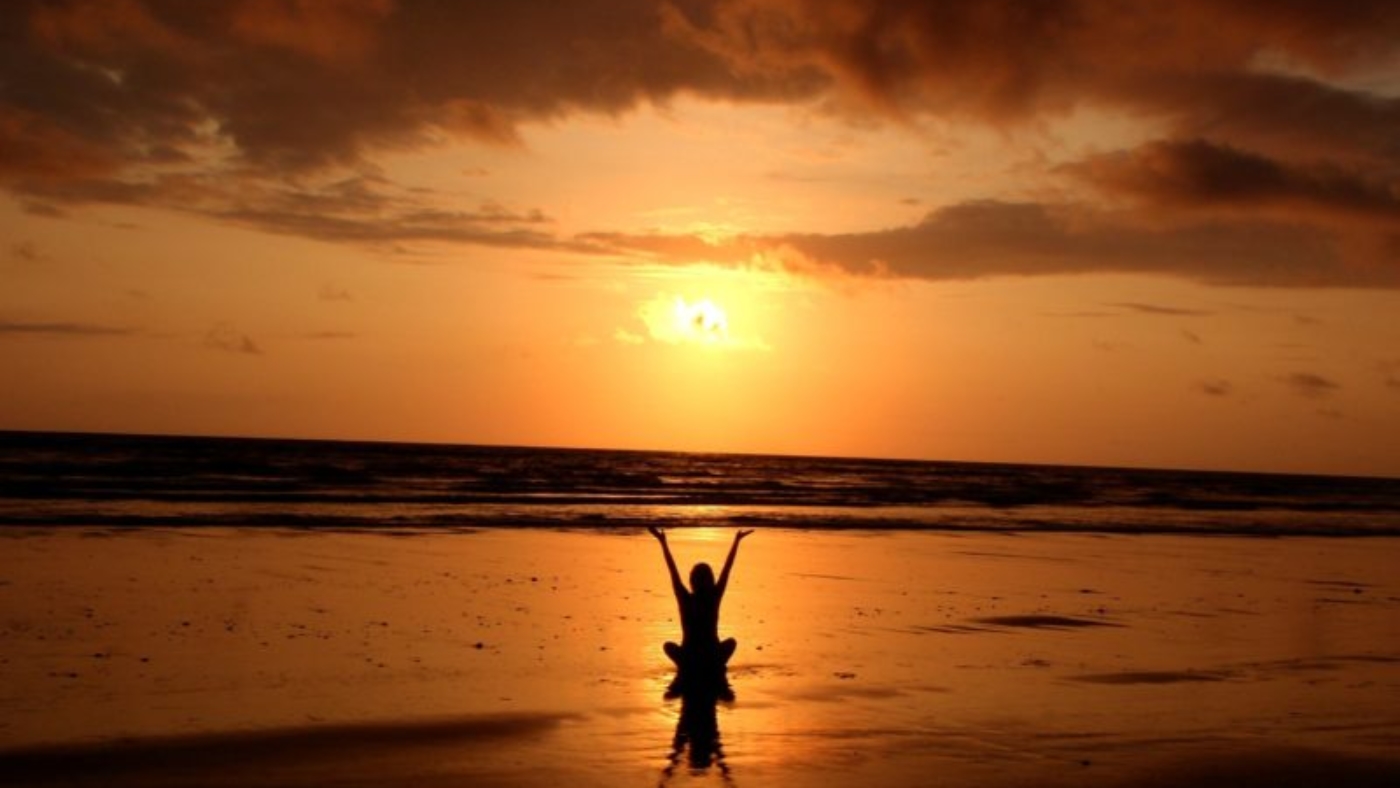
x,y
7,431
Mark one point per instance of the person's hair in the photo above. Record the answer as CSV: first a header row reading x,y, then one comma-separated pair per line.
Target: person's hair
x,y
702,579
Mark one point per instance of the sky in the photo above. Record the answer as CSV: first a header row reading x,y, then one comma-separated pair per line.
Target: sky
x,y
1106,233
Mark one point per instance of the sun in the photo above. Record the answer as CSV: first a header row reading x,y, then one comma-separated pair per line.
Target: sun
x,y
701,321
708,308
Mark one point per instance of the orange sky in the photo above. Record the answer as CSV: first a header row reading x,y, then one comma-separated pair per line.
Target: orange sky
x,y
1153,234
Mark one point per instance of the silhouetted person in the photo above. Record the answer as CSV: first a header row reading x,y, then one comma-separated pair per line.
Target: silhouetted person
x,y
701,655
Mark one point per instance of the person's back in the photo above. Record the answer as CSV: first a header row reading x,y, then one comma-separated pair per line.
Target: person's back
x,y
699,609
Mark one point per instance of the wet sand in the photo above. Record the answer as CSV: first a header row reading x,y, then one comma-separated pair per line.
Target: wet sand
x,y
507,657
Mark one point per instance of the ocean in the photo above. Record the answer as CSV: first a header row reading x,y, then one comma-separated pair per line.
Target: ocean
x,y
51,479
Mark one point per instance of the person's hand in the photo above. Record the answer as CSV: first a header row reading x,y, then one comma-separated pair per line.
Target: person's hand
x,y
743,533
658,533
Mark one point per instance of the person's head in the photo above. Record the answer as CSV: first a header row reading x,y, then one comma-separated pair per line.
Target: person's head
x,y
702,579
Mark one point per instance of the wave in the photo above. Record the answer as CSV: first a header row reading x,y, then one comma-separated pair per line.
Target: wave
x,y
66,479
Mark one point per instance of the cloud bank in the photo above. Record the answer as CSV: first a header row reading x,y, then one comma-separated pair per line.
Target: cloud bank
x,y
1276,162
994,238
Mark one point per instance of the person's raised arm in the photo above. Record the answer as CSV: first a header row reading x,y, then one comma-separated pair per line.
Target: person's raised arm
x,y
676,584
729,563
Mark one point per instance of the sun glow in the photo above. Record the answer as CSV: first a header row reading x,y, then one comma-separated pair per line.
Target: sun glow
x,y
677,320
702,321
711,308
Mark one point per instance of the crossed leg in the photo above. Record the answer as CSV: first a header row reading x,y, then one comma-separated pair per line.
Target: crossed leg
x,y
678,655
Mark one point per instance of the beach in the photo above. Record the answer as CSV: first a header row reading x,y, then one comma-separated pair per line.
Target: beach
x,y
362,356
235,656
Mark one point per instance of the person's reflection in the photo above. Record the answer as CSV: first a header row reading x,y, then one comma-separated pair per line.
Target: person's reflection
x,y
697,742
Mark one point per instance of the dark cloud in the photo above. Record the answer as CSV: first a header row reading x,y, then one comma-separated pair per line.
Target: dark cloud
x,y
224,337
1005,61
1197,174
60,329
128,101
92,87
1310,385
1289,116
992,238
449,226
1215,387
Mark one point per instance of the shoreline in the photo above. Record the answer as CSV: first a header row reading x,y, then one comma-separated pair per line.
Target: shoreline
x,y
1225,525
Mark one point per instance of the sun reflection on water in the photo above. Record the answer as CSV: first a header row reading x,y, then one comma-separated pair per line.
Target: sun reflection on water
x,y
707,533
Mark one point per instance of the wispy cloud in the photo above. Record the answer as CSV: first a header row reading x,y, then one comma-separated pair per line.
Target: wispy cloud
x,y
225,338
1390,374
26,252
61,328
1310,385
628,338
1215,387
334,292
1083,314
1159,309
359,209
